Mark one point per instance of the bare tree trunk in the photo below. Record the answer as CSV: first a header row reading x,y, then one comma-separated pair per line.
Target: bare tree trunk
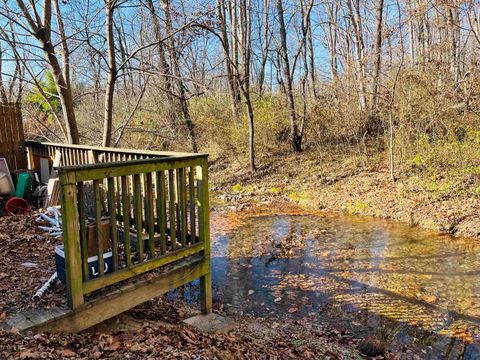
x,y
245,34
232,81
112,73
392,102
332,38
295,136
165,75
356,20
452,33
42,30
411,33
3,93
233,15
378,51
177,81
265,46
311,58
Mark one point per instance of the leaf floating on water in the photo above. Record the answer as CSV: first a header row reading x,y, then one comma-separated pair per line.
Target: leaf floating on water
x,y
430,299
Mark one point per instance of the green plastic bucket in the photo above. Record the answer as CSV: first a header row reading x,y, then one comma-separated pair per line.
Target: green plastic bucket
x,y
23,184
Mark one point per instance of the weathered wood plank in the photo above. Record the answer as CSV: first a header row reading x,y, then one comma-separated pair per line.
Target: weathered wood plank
x,y
192,203
149,215
71,239
172,209
182,205
83,229
104,170
137,206
204,234
98,226
141,268
112,205
161,211
126,219
150,153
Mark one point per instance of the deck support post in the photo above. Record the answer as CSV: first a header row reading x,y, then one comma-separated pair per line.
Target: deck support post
x,y
71,239
204,235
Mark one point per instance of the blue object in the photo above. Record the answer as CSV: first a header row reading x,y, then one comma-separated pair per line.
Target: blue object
x,y
92,264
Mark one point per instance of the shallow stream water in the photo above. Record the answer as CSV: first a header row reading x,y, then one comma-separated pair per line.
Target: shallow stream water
x,y
406,286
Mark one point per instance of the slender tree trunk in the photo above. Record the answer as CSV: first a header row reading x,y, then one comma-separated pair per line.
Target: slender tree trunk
x,y
296,140
265,46
245,42
378,50
356,20
232,81
332,38
42,30
111,76
165,75
178,82
311,58
452,32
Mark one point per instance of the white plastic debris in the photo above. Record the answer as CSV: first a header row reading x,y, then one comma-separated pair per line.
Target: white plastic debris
x,y
54,219
45,287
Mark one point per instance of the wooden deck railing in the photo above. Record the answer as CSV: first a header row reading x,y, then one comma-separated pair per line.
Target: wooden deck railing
x,y
155,205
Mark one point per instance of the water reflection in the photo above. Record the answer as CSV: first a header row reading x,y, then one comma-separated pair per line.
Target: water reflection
x,y
403,284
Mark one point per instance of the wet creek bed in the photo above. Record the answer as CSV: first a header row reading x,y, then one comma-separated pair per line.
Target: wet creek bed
x,y
407,287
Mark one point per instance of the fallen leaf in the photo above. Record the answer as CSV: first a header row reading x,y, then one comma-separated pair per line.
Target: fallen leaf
x,y
29,354
66,353
430,299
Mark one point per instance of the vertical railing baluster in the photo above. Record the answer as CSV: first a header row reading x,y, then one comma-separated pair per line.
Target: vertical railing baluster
x,y
117,194
112,206
161,211
83,230
172,210
149,216
126,219
182,205
191,187
137,205
98,226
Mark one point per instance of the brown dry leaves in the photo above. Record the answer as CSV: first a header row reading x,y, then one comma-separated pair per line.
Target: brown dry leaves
x,y
158,342
21,242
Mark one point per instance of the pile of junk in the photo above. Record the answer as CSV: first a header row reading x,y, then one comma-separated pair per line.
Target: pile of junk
x,y
33,192
22,190
38,193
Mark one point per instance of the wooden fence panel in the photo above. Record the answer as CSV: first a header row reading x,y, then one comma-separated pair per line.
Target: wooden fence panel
x,y
12,139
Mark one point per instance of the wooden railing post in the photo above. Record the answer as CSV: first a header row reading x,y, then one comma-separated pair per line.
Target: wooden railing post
x,y
71,239
204,234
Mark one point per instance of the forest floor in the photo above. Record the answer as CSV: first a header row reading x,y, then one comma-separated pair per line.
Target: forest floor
x,y
153,330
447,202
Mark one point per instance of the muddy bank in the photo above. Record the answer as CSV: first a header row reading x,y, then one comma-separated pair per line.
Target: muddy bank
x,y
336,184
